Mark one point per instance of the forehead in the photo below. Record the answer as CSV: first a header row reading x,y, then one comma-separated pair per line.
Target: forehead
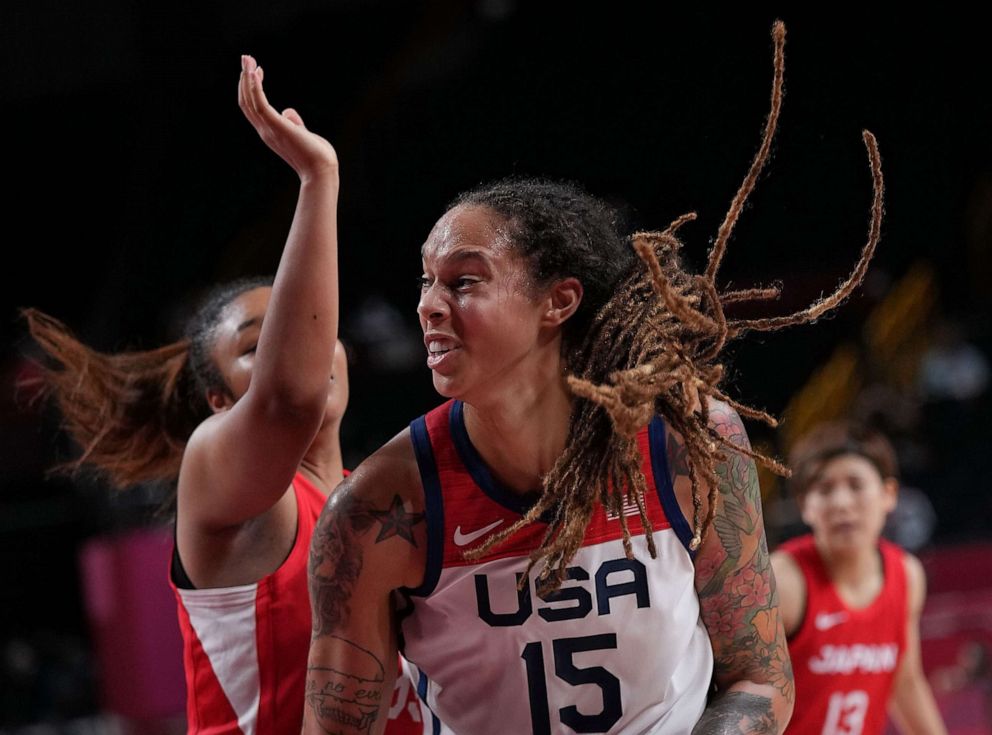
x,y
244,311
467,231
848,464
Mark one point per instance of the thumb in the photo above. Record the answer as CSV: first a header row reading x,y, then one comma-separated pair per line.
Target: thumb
x,y
293,116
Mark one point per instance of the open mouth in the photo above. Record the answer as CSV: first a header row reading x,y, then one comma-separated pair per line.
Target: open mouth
x,y
436,348
843,527
438,352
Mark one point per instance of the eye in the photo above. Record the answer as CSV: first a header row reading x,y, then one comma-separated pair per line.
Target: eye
x,y
250,350
463,283
820,488
423,283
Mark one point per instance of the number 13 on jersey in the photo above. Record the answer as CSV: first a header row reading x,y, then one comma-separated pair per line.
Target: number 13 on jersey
x,y
846,713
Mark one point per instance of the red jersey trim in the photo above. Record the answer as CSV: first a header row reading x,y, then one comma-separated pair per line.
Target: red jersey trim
x,y
453,474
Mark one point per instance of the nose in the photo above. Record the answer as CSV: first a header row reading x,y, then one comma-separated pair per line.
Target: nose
x,y
432,307
841,496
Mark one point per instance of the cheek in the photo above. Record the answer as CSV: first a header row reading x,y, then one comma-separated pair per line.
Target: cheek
x,y
809,511
239,376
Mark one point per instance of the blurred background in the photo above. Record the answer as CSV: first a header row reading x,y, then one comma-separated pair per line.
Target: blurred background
x,y
134,184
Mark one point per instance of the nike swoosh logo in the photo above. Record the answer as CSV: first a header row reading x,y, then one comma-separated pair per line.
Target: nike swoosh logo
x,y
826,621
464,539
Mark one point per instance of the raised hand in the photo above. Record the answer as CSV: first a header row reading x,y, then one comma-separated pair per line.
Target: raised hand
x,y
310,155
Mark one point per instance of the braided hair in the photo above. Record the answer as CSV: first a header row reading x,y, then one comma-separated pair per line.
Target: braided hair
x,y
647,341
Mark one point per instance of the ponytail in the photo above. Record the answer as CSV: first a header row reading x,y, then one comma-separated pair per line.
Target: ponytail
x,y
131,413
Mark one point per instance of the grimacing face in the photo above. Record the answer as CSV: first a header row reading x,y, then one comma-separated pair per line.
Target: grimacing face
x,y
481,315
847,502
235,339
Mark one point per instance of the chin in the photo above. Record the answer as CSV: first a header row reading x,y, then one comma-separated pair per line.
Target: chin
x,y
846,541
446,386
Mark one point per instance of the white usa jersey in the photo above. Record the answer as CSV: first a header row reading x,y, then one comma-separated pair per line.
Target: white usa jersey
x,y
619,648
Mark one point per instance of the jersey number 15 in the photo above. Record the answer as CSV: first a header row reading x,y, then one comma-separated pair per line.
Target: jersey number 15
x,y
566,670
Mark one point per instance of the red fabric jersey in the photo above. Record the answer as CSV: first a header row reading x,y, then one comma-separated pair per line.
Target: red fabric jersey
x,y
845,660
245,648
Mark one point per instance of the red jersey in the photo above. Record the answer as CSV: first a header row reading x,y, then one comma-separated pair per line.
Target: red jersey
x,y
845,660
245,648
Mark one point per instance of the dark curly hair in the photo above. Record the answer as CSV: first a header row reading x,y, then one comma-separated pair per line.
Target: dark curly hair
x,y
564,232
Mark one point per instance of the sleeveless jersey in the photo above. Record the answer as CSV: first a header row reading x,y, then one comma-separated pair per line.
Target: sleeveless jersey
x,y
245,648
619,648
845,660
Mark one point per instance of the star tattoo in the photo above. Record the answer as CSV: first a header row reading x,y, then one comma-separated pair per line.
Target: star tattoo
x,y
396,521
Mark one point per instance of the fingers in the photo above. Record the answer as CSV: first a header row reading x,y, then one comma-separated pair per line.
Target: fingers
x,y
242,82
293,116
245,99
256,95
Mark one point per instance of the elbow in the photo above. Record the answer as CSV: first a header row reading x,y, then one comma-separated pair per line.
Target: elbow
x,y
787,707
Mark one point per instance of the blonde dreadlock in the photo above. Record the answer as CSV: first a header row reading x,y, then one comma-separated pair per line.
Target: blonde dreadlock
x,y
652,348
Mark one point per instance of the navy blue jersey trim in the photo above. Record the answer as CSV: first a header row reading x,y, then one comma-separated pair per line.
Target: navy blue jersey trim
x,y
477,468
422,683
433,506
663,483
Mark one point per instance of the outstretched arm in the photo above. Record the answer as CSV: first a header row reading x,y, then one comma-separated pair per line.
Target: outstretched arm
x,y
912,705
241,461
739,603
369,541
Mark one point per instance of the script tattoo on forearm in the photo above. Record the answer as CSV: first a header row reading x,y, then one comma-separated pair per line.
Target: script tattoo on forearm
x,y
336,552
738,713
346,702
737,592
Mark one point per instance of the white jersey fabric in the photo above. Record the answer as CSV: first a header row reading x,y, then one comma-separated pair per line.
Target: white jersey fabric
x,y
619,648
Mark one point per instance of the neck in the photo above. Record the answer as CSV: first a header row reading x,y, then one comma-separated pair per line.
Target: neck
x,y
851,568
521,431
322,463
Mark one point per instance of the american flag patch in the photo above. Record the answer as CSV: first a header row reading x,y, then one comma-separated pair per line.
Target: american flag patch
x,y
629,509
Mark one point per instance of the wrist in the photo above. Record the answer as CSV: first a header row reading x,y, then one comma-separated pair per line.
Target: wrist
x,y
322,177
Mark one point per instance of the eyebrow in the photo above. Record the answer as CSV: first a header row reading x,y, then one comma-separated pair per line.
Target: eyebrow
x,y
249,323
462,255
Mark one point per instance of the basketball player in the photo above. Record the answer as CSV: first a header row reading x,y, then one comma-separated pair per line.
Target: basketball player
x,y
539,545
245,413
850,600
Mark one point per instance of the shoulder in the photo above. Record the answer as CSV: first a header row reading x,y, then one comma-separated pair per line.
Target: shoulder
x,y
197,468
390,471
200,439
374,521
787,567
727,423
722,419
791,585
916,582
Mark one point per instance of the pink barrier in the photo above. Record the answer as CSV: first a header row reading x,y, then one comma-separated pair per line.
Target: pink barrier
x,y
132,616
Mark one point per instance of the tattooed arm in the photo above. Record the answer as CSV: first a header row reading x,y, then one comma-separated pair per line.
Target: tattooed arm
x,y
369,540
738,599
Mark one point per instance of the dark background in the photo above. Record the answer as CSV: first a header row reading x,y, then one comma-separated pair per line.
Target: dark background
x,y
133,182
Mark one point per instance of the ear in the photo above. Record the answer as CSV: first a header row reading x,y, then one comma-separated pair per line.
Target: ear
x,y
218,400
803,506
563,300
890,489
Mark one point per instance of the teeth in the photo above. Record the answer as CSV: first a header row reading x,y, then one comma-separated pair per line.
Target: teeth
x,y
436,346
